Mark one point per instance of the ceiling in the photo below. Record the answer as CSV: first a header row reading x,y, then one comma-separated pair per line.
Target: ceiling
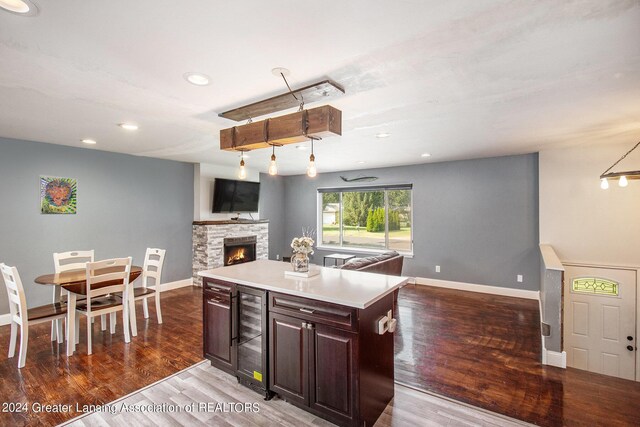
x,y
457,79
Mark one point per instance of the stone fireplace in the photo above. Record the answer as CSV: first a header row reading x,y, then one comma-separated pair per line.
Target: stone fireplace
x,y
214,242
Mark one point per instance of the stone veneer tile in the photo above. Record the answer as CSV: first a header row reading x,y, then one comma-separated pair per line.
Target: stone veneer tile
x,y
208,244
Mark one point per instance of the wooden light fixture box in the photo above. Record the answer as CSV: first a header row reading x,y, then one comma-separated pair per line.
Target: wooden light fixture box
x,y
316,123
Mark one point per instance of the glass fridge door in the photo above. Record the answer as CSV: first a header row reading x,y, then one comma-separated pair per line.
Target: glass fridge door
x,y
251,341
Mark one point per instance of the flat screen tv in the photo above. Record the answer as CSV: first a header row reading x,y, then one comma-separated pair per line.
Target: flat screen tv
x,y
235,196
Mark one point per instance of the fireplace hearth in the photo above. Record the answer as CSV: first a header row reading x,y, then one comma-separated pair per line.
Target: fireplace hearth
x,y
238,250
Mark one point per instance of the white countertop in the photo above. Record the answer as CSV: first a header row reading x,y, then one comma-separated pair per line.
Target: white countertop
x,y
345,287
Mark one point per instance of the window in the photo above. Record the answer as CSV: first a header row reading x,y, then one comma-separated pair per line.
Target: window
x,y
594,285
370,218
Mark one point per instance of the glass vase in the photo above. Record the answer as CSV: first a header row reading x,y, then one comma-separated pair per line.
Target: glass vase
x,y
300,262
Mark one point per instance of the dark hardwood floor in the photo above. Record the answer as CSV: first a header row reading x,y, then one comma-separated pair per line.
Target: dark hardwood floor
x,y
115,369
485,350
480,349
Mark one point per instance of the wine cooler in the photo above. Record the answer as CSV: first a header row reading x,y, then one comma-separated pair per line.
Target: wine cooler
x,y
252,340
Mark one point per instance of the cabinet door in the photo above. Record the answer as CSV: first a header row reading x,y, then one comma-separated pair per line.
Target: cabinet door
x,y
217,331
288,358
332,372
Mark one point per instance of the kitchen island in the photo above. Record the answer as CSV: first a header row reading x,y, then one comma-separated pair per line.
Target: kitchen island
x,y
324,343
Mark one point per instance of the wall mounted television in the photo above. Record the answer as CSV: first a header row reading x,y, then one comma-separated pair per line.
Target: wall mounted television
x,y
232,196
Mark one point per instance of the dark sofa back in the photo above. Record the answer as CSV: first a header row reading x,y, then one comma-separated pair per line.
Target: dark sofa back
x,y
388,263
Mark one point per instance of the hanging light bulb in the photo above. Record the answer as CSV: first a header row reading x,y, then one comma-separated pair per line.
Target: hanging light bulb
x,y
273,168
623,181
242,174
311,169
604,184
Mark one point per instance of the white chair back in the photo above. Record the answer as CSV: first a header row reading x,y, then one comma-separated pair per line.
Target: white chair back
x,y
74,260
153,262
115,270
15,291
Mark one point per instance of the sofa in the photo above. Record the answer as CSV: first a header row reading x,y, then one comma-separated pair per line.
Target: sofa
x,y
387,263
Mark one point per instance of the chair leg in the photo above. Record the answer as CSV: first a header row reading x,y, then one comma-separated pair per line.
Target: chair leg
x,y
13,339
112,322
77,329
24,340
89,330
158,311
132,315
60,333
145,308
54,323
125,323
103,321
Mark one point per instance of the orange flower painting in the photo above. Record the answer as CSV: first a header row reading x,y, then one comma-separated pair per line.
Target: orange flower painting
x,y
58,195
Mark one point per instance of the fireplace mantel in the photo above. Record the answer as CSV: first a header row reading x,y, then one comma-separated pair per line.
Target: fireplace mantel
x,y
232,221
208,242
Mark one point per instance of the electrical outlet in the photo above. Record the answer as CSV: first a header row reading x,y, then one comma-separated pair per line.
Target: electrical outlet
x,y
278,257
437,269
519,278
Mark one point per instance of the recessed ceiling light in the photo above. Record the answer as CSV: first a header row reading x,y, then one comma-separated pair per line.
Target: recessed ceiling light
x,y
383,135
197,79
128,126
361,162
302,147
425,155
21,7
89,141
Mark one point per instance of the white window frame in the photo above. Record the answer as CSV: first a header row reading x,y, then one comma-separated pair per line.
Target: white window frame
x,y
360,250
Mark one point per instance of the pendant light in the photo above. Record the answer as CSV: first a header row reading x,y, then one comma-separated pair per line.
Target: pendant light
x,y
273,168
311,169
242,174
622,177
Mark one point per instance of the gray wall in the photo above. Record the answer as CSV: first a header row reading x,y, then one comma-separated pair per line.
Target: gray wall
x,y
271,208
551,301
477,219
125,204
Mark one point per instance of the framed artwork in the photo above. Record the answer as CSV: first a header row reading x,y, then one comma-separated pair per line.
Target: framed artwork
x,y
58,195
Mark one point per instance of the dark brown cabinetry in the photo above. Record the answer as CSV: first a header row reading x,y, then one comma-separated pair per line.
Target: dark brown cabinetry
x,y
289,357
218,325
315,358
323,357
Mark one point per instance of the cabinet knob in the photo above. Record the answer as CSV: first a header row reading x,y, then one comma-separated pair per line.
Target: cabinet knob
x,y
630,347
630,338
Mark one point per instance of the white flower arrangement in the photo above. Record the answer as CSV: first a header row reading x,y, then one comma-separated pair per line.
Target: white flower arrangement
x,y
304,244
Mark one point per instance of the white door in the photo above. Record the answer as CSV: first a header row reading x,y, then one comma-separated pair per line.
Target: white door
x,y
600,319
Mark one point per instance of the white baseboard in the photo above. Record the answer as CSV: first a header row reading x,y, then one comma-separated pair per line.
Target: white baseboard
x,y
177,284
485,289
553,358
5,319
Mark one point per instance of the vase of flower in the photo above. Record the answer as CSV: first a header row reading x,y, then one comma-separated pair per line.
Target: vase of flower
x,y
300,262
301,247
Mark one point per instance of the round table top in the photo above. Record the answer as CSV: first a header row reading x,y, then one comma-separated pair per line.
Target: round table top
x,y
76,280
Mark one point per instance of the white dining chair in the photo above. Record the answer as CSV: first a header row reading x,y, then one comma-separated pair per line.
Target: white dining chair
x,y
67,261
151,274
102,300
21,317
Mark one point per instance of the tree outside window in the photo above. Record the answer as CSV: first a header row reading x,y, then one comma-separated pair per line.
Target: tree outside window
x,y
369,219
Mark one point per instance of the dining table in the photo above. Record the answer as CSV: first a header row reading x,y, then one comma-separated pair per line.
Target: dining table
x,y
75,283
